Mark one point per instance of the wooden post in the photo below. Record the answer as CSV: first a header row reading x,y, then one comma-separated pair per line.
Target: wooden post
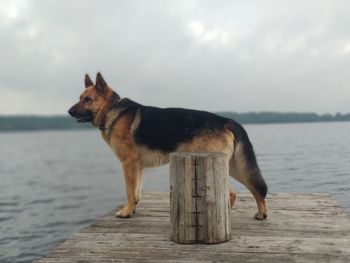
x,y
199,198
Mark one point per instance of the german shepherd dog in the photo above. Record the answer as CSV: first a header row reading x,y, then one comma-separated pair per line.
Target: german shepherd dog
x,y
144,136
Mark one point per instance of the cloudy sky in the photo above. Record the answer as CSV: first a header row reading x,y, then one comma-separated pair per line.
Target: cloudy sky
x,y
247,55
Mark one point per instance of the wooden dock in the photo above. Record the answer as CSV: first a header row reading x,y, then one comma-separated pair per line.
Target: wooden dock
x,y
300,228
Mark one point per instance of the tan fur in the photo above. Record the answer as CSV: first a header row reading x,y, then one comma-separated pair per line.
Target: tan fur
x,y
262,206
208,141
232,198
152,158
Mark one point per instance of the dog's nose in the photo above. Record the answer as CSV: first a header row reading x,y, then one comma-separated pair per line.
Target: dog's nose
x,y
72,111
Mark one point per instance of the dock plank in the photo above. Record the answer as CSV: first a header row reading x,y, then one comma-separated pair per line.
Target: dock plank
x,y
300,228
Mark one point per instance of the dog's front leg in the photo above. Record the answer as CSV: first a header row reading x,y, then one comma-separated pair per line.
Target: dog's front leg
x,y
131,175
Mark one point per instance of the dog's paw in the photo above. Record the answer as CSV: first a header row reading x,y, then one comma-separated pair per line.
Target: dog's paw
x,y
260,216
125,212
122,214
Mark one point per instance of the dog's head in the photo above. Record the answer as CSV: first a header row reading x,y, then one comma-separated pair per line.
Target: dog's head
x,y
93,101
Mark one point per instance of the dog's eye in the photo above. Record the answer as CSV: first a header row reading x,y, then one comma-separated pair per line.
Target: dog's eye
x,y
87,99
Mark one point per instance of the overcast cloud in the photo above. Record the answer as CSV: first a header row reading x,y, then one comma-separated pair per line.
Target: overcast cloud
x,y
213,55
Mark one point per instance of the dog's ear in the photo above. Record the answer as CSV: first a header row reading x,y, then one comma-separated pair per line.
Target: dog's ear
x,y
101,84
88,81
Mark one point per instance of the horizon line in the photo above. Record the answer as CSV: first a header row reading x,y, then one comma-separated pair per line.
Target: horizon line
x,y
218,112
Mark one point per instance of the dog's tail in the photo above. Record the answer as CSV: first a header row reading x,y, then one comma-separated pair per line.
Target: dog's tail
x,y
245,167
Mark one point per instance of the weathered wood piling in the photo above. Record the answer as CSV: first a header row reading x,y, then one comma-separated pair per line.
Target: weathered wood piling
x,y
199,198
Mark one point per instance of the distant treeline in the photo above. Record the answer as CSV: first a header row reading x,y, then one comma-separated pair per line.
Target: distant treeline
x,y
26,123
277,117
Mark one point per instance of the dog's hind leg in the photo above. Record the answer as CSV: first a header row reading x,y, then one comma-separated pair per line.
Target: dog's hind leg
x,y
232,198
132,172
251,179
244,167
138,188
248,173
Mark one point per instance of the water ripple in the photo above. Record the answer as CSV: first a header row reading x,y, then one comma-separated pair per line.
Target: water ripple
x,y
42,201
9,203
64,207
5,218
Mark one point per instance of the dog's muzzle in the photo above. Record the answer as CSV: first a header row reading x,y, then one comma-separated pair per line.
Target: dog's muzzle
x,y
85,116
72,112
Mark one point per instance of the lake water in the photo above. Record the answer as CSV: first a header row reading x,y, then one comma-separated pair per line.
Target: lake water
x,y
54,183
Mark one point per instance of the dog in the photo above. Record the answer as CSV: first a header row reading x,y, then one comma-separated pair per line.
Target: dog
x,y
144,136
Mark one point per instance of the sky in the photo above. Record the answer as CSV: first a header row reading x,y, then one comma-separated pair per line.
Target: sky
x,y
227,55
